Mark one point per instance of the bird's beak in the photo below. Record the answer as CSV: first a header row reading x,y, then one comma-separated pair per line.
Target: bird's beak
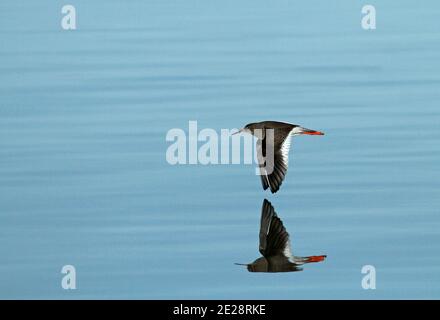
x,y
310,132
239,131
241,264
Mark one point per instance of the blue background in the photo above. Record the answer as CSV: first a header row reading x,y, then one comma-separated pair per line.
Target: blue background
x,y
83,174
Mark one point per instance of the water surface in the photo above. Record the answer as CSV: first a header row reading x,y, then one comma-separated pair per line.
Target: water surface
x,y
83,174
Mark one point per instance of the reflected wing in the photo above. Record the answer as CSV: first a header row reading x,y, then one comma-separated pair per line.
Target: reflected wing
x,y
274,239
280,146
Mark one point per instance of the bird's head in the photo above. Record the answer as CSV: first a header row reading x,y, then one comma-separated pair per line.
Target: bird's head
x,y
249,128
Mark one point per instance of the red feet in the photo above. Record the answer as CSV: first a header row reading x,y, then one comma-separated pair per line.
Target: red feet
x,y
316,258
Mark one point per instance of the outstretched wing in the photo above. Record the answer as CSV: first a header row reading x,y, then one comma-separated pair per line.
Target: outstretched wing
x,y
280,144
274,239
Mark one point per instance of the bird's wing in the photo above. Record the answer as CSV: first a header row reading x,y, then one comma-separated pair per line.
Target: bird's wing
x,y
263,173
280,146
274,239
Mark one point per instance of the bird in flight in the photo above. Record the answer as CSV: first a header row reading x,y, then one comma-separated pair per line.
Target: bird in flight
x,y
275,246
273,144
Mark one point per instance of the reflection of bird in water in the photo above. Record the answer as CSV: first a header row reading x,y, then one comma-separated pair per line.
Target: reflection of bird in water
x,y
279,144
275,246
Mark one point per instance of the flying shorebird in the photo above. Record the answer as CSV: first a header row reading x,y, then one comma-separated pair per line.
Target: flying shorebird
x,y
280,144
275,246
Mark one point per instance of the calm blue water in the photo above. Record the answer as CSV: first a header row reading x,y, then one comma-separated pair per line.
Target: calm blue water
x,y
83,175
